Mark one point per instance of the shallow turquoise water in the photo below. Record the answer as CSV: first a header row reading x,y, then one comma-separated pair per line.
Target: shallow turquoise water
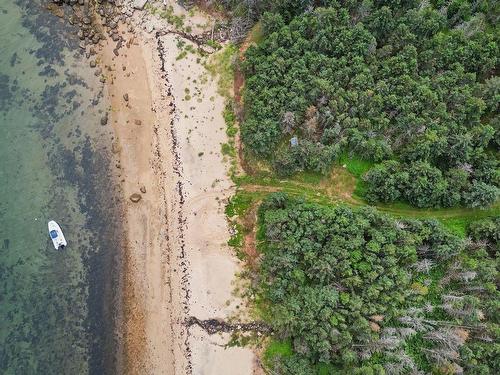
x,y
57,308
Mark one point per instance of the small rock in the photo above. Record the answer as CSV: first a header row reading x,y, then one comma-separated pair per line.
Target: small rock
x,y
136,197
104,119
102,79
93,64
143,189
137,122
139,4
115,147
125,97
86,20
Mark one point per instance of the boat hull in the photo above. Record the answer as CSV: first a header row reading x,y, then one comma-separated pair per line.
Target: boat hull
x,y
56,235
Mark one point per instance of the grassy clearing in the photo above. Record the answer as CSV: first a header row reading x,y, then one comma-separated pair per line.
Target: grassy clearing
x,y
316,189
356,167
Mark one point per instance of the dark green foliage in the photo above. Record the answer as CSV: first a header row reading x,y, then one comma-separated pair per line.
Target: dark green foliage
x,y
481,194
308,156
407,81
386,182
365,294
488,231
423,185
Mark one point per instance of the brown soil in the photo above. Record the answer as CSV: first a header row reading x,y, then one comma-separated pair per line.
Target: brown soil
x,y
249,222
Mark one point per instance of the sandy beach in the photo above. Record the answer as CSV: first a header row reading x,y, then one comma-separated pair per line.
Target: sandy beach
x,y
166,114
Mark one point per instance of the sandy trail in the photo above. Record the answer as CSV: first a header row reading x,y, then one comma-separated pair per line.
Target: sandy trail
x,y
167,118
211,265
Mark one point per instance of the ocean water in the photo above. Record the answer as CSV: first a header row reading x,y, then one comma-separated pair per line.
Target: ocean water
x,y
57,308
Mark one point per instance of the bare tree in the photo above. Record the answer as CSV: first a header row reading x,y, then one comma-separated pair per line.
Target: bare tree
x,y
311,124
423,249
447,337
424,265
288,122
441,356
468,276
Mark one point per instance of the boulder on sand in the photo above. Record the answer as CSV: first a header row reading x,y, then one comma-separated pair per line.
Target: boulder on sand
x,y
136,197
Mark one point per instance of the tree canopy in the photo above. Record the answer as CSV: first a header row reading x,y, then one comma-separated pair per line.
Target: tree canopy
x,y
364,293
411,85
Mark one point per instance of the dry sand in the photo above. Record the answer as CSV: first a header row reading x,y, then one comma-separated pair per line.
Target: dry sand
x,y
177,262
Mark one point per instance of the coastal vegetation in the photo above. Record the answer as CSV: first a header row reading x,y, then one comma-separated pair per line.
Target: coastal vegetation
x,y
356,291
409,87
372,242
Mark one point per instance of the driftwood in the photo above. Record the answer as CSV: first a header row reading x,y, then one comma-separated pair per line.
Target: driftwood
x,y
212,326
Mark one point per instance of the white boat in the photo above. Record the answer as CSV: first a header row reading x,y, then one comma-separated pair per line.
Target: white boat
x,y
57,235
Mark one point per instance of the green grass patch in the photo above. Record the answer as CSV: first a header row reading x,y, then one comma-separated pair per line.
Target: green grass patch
x,y
355,165
222,64
256,35
236,239
278,348
181,55
240,203
228,149
309,177
215,45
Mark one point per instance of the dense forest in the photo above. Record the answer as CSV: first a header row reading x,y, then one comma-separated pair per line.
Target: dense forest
x,y
358,292
409,85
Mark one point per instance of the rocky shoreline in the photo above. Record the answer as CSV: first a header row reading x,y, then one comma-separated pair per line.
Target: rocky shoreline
x,y
178,268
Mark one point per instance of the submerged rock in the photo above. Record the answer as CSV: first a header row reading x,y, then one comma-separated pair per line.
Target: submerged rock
x,y
125,97
143,189
104,119
115,147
